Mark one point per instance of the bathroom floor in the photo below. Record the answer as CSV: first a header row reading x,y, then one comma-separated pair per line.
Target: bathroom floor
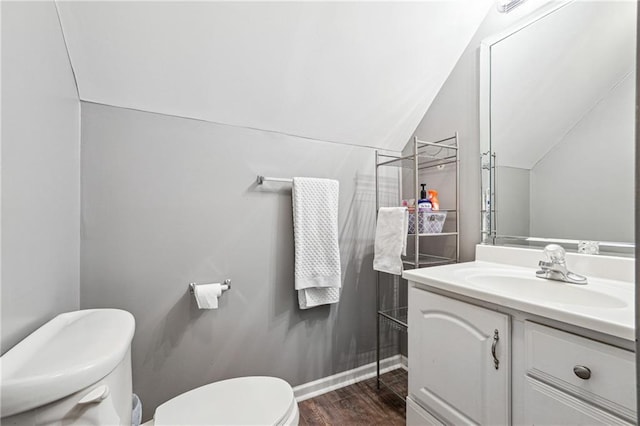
x,y
360,403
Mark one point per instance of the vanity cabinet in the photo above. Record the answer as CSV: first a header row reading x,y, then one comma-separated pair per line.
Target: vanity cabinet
x,y
546,375
461,369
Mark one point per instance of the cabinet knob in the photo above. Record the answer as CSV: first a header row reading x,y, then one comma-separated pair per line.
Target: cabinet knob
x,y
581,371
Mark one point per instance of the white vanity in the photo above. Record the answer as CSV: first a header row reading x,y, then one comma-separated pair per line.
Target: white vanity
x,y
492,344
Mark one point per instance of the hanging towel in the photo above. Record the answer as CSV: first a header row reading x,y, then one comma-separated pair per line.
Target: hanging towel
x,y
315,231
391,239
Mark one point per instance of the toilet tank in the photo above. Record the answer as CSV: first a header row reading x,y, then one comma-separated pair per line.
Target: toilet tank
x,y
75,369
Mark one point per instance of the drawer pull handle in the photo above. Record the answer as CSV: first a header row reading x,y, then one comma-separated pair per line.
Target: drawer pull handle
x,y
583,372
496,337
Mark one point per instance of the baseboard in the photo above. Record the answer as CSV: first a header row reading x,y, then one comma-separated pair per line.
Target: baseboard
x,y
346,378
404,362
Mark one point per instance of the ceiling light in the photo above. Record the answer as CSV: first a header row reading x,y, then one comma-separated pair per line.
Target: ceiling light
x,y
505,6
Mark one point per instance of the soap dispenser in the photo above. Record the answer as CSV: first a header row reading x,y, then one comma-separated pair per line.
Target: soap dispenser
x,y
424,203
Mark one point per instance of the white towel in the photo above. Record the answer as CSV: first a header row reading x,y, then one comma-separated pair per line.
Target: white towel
x,y
315,230
391,239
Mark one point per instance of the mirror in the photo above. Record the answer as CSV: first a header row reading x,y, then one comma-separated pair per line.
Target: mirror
x,y
557,111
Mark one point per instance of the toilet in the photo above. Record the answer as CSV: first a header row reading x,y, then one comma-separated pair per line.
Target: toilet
x,y
76,370
239,401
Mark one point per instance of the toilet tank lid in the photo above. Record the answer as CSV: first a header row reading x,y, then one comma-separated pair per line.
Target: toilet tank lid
x,y
65,355
254,400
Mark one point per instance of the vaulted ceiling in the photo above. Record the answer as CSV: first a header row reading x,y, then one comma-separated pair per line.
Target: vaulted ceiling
x,y
551,75
361,73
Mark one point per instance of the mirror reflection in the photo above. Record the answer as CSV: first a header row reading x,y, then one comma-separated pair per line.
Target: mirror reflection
x,y
560,93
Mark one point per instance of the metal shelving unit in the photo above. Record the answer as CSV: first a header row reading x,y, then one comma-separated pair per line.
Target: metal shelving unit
x,y
426,156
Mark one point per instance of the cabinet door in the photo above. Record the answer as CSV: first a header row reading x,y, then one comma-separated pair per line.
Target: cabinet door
x,y
453,374
417,416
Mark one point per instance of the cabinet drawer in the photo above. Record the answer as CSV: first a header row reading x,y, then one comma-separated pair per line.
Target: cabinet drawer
x,y
547,405
609,372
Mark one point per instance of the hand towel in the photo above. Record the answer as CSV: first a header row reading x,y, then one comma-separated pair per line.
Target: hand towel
x,y
391,239
315,230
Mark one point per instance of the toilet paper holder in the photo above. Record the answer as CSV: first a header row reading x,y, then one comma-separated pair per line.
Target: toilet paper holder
x,y
227,282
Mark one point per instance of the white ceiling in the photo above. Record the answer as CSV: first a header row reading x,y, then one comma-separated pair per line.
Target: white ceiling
x,y
550,75
361,73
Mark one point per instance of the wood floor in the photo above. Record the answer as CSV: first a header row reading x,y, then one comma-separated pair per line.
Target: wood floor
x,y
359,404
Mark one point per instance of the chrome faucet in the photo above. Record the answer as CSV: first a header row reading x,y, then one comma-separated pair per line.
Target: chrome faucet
x,y
555,268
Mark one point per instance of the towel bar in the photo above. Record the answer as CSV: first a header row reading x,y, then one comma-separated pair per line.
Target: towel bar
x,y
262,179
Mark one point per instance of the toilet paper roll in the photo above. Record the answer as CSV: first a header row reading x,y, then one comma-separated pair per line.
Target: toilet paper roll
x,y
207,295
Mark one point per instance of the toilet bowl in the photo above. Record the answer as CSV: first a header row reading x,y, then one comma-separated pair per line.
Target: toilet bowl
x,y
239,401
76,370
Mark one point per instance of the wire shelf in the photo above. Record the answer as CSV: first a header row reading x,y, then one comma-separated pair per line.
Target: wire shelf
x,y
438,155
425,260
396,317
396,381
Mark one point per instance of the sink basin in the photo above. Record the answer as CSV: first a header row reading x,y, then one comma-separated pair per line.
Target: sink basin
x,y
522,284
506,280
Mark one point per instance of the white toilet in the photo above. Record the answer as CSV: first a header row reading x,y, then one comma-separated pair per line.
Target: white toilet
x,y
239,401
76,370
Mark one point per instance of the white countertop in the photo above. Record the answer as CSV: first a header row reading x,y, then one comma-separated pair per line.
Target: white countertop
x,y
603,305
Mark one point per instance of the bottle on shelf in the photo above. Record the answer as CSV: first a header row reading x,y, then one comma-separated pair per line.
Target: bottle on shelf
x,y
425,205
433,197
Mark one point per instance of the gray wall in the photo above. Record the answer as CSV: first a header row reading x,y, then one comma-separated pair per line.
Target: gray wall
x,y
637,212
455,108
589,176
513,210
40,171
167,201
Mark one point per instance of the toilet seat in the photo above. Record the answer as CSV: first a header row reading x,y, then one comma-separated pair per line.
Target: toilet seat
x,y
238,401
